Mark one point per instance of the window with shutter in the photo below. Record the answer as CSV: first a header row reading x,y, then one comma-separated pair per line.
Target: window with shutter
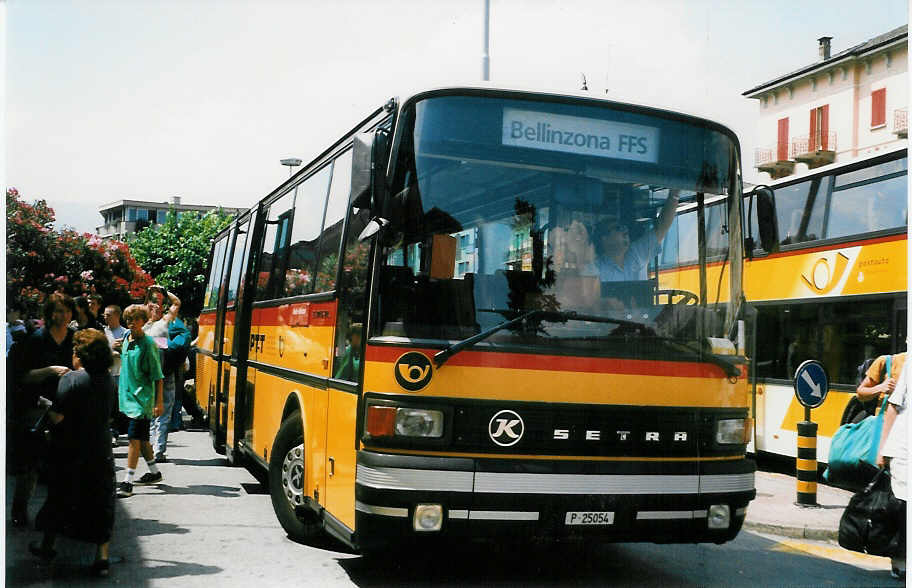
x,y
879,107
782,141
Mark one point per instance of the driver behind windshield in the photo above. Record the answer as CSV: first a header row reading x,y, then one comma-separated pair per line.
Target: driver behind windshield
x,y
620,260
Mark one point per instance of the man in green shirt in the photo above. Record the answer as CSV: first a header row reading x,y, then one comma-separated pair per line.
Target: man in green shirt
x,y
140,396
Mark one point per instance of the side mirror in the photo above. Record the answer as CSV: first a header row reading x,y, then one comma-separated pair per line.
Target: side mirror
x,y
362,166
368,183
767,224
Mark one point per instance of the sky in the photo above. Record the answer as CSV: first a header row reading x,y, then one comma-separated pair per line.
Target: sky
x,y
126,99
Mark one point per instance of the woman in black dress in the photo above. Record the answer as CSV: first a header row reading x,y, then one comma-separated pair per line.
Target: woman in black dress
x,y
80,501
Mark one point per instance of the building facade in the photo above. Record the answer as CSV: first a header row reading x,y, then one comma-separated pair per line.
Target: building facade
x,y
124,217
845,105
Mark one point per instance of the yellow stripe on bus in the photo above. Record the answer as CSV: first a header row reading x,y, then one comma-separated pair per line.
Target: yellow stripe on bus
x,y
528,385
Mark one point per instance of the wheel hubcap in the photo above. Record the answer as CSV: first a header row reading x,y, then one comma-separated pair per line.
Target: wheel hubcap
x,y
293,475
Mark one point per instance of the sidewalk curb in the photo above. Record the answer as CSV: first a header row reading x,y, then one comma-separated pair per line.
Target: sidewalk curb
x,y
793,532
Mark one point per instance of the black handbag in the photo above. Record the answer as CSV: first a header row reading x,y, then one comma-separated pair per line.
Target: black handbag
x,y
874,521
38,435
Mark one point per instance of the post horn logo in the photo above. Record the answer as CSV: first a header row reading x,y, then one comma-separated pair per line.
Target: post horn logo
x,y
823,278
413,371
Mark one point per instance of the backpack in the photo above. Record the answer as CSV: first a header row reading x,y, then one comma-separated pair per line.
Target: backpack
x,y
178,346
856,410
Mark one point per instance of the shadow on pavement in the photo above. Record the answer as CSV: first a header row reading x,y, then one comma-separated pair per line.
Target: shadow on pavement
x,y
200,489
217,462
749,561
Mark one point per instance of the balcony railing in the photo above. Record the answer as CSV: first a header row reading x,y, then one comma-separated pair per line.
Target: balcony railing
x,y
815,151
770,159
901,122
820,142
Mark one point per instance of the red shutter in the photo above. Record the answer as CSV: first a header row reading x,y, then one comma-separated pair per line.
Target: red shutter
x,y
878,107
812,135
824,126
782,142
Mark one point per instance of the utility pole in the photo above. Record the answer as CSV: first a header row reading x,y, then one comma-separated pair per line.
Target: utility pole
x,y
485,58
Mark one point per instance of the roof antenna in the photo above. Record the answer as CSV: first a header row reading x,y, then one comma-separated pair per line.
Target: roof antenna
x,y
585,87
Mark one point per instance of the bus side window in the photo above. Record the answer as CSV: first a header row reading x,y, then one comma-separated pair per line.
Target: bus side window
x,y
351,290
275,244
300,265
331,238
215,274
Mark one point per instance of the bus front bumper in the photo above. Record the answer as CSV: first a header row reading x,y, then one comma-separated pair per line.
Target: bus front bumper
x,y
664,502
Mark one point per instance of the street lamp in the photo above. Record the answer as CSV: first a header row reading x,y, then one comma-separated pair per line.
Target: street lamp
x,y
291,162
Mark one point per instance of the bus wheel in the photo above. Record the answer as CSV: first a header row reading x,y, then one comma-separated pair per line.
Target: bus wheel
x,y
286,479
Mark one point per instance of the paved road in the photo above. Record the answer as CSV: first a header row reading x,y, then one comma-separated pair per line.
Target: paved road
x,y
209,524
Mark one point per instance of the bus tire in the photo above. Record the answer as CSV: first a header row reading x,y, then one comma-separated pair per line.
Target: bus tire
x,y
286,479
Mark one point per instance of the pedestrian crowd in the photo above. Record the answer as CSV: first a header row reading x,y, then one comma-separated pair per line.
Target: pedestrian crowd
x,y
78,379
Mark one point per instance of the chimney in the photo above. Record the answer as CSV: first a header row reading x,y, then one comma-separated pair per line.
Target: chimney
x,y
176,200
824,47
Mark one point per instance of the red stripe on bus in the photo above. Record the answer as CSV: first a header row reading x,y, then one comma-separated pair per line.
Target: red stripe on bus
x,y
558,363
207,319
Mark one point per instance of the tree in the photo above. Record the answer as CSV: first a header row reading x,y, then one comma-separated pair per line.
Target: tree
x,y
176,252
40,260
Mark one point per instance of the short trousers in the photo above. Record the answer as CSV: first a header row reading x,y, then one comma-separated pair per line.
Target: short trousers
x,y
138,429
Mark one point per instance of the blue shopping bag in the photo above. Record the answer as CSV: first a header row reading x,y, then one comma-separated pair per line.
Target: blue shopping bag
x,y
853,451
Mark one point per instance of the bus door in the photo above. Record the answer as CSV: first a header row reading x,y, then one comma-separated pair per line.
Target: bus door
x,y
210,338
226,319
347,346
235,338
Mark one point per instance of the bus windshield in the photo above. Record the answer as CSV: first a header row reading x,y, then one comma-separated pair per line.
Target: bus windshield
x,y
550,212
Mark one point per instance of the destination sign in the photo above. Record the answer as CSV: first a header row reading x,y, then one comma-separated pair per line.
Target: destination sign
x,y
580,135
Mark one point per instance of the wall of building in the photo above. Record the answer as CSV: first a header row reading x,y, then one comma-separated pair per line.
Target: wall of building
x,y
847,90
891,74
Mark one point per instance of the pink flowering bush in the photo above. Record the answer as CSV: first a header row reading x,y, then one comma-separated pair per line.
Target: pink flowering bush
x,y
40,260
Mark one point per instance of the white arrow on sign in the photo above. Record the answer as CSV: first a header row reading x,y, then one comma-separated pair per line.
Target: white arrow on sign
x,y
810,382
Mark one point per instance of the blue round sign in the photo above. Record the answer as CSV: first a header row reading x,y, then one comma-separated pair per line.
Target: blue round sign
x,y
811,384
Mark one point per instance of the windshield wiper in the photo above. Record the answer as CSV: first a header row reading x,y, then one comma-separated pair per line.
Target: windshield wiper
x,y
552,315
728,366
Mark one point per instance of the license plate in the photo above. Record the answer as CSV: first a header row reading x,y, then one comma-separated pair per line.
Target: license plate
x,y
589,518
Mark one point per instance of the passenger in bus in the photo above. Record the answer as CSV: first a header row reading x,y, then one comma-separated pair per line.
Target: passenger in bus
x,y
893,453
877,382
619,259
160,327
350,362
140,396
80,499
577,283
38,363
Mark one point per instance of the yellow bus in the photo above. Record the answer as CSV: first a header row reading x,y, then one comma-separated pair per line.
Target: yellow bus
x,y
832,289
831,286
421,335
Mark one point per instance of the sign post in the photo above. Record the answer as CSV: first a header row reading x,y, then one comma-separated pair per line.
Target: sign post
x,y
811,387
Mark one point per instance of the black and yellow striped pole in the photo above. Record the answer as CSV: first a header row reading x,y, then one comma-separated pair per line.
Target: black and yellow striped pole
x,y
806,462
811,386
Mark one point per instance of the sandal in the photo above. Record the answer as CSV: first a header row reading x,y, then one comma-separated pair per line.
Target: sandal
x,y
42,552
101,568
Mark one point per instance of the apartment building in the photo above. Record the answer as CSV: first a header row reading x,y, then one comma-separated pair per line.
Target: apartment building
x,y
124,217
839,107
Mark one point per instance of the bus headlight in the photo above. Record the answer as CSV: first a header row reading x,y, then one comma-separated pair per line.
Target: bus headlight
x,y
393,421
428,517
417,422
733,431
718,517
